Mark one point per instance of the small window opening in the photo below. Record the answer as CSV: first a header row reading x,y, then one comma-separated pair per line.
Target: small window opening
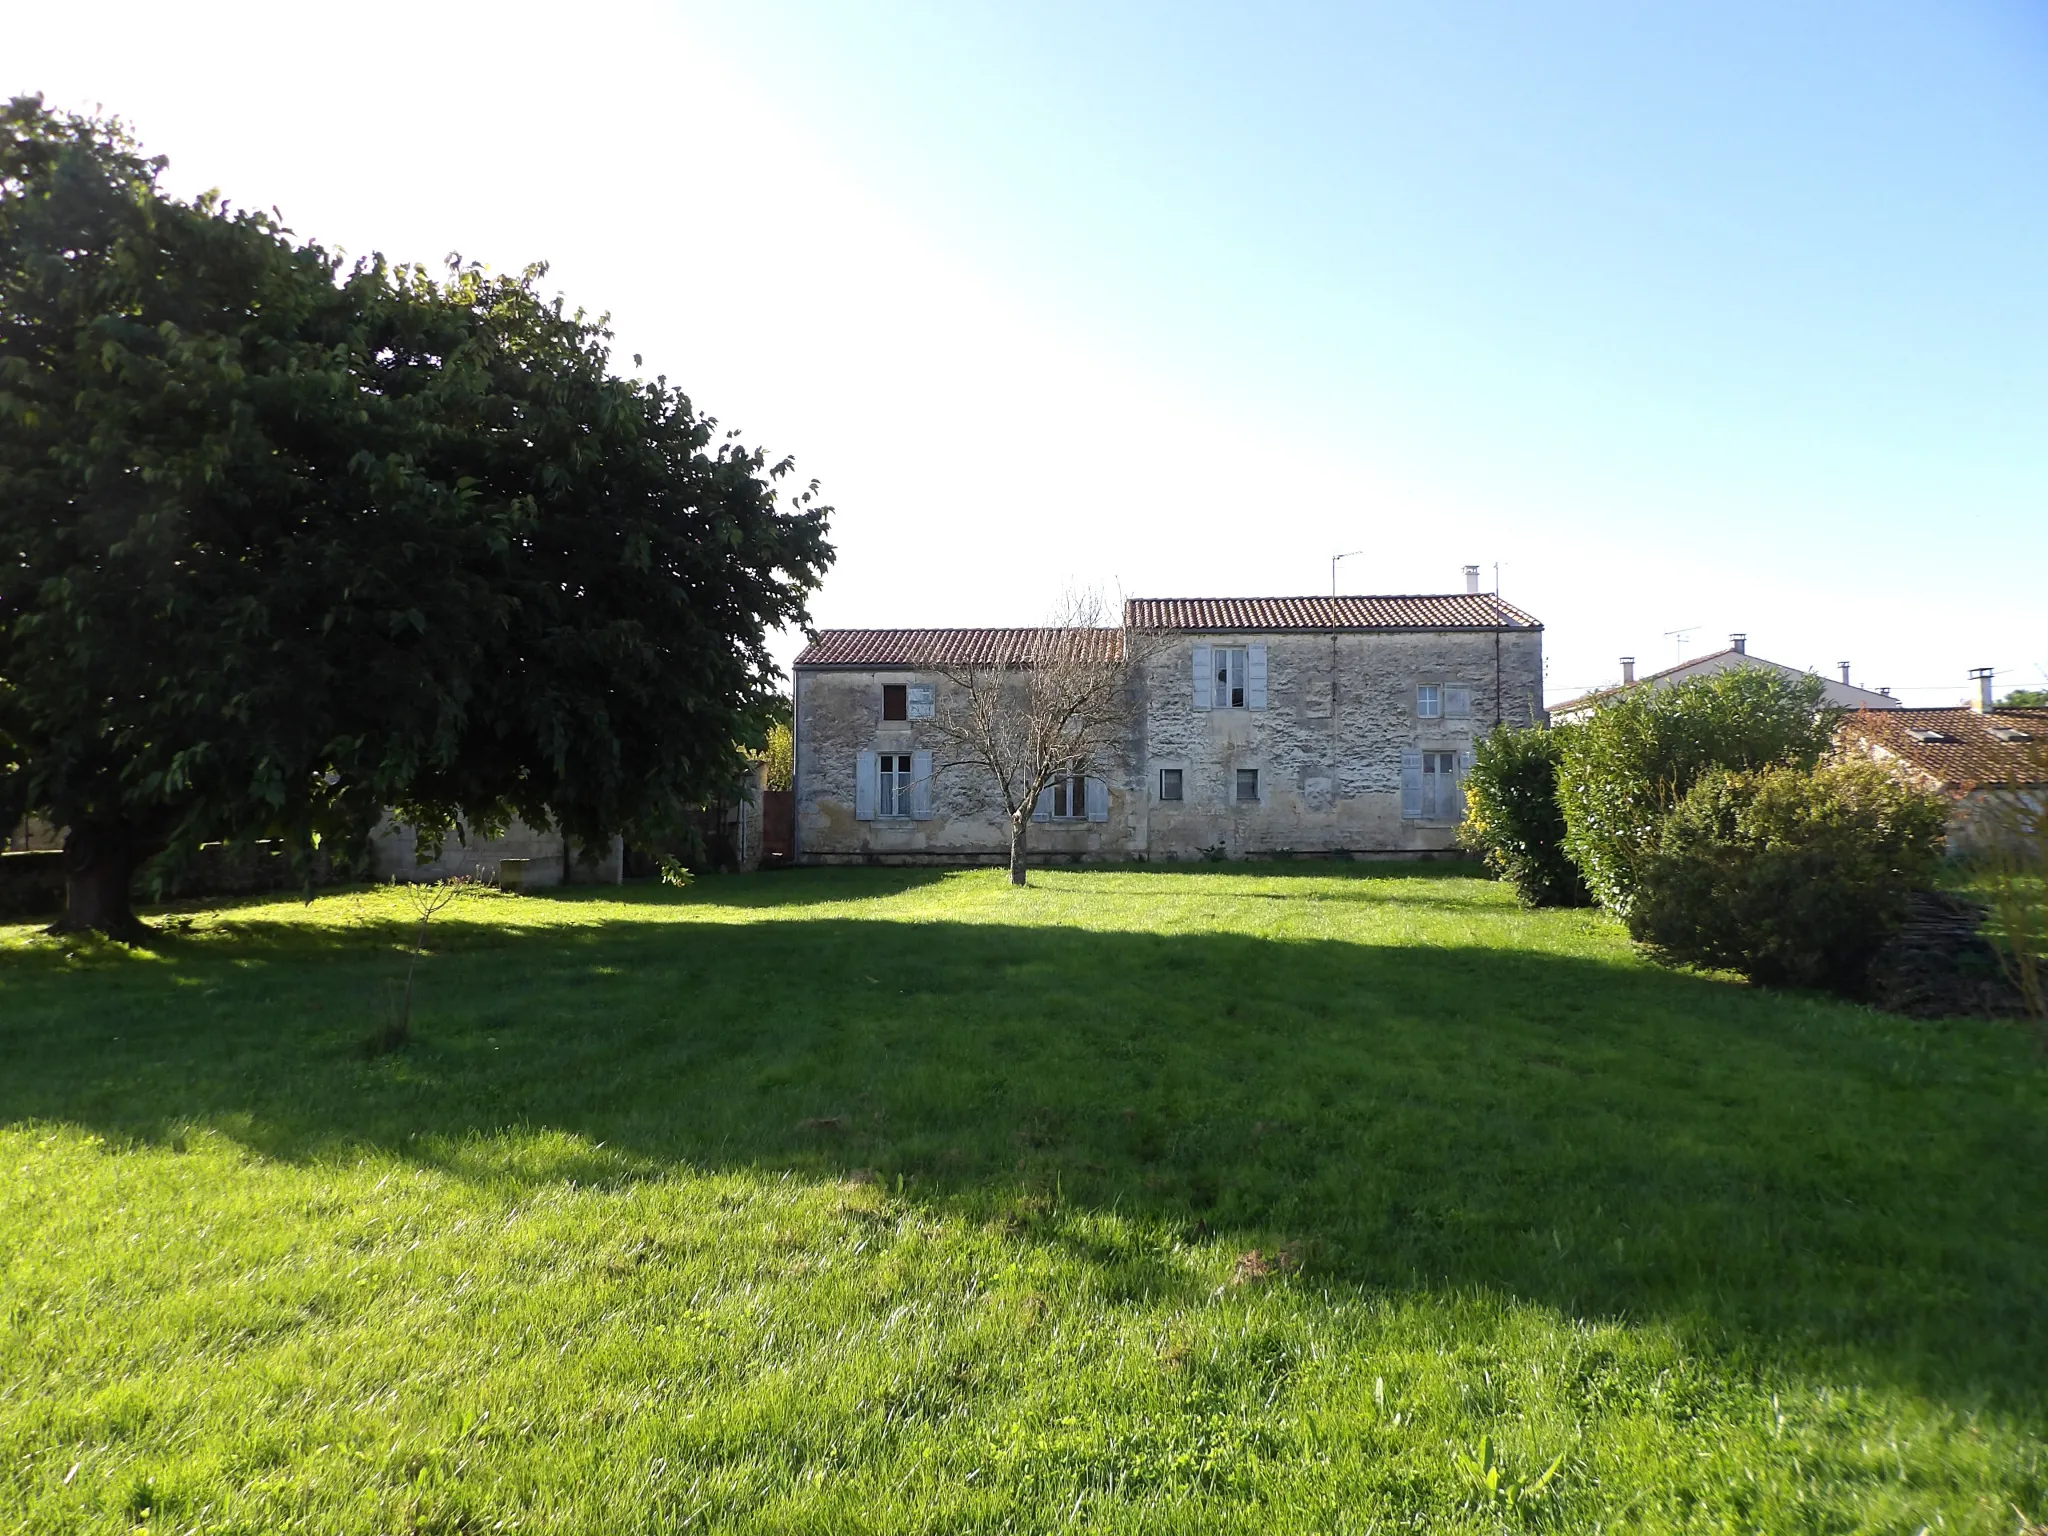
x,y
1169,783
1247,785
895,701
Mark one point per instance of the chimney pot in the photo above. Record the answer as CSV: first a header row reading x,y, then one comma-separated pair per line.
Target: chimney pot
x,y
1982,703
1741,644
1471,578
1628,670
1845,672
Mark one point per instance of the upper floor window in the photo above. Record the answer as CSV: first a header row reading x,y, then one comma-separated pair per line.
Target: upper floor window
x,y
1230,671
1429,702
1457,703
895,701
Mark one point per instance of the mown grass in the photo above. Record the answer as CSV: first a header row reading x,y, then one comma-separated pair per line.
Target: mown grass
x,y
1264,1200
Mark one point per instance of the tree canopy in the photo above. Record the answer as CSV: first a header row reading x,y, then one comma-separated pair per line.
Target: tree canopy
x,y
288,541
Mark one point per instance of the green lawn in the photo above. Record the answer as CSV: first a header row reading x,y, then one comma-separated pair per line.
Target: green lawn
x,y
1265,1200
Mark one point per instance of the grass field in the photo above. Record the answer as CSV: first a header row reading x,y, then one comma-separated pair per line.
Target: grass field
x,y
1237,1199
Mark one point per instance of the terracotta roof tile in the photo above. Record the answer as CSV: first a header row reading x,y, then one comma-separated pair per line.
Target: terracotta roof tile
x,y
1954,748
1272,615
934,647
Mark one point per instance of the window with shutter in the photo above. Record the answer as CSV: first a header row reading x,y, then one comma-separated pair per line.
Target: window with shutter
x,y
1205,679
1255,677
921,786
1429,702
1411,785
892,784
866,786
1098,800
895,701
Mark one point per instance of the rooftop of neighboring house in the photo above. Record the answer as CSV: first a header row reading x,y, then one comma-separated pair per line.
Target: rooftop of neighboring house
x,y
1843,693
1958,748
1429,612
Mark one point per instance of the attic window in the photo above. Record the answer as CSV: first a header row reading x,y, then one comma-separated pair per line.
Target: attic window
x,y
2011,733
1930,736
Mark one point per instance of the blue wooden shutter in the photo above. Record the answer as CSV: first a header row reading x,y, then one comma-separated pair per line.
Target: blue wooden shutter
x,y
1255,677
1411,785
1458,793
1205,677
1098,800
920,786
866,787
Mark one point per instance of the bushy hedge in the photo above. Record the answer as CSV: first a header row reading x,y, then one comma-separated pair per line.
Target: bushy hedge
x,y
1512,816
1623,770
1793,877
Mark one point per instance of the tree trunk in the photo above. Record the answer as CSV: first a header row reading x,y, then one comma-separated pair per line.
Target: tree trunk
x,y
1020,827
99,867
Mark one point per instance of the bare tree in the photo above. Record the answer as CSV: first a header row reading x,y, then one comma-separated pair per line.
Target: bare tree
x,y
1054,703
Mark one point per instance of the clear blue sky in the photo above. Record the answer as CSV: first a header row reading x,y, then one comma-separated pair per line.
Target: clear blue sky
x,y
1724,315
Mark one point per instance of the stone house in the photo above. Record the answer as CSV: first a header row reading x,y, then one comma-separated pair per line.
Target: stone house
x,y
1841,694
1324,726
1990,762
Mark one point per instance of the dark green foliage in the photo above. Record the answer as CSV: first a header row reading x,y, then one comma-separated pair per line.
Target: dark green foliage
x,y
1793,877
1622,770
1513,818
2025,698
287,544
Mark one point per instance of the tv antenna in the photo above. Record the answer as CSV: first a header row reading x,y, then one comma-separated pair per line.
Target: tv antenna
x,y
1333,567
1677,639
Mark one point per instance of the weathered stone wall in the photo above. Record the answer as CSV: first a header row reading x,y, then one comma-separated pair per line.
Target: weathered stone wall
x,y
394,855
1341,709
839,716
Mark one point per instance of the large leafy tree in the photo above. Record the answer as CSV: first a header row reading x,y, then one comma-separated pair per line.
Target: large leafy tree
x,y
282,544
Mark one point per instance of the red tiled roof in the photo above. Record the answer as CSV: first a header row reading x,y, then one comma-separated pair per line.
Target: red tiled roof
x,y
936,647
1272,615
1970,758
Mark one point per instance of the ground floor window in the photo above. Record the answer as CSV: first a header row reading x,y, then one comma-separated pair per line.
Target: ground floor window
x,y
1441,799
893,785
1169,783
1070,795
1248,786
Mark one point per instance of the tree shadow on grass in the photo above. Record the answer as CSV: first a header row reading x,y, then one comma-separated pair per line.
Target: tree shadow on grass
x,y
1778,1176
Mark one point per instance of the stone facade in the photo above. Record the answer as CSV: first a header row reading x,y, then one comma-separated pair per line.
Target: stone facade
x,y
1345,741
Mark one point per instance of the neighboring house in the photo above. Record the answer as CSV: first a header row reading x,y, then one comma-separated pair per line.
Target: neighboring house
x,y
1991,762
1311,725
1842,694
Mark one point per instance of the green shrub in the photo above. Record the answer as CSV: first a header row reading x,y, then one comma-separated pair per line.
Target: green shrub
x,y
1793,877
780,757
1513,818
1622,770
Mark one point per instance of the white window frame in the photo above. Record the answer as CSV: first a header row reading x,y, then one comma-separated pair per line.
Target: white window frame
x,y
1429,701
1069,788
893,778
1231,665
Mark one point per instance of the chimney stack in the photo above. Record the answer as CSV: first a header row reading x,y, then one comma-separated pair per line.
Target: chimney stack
x,y
1982,703
1471,578
1845,672
1628,670
1740,643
